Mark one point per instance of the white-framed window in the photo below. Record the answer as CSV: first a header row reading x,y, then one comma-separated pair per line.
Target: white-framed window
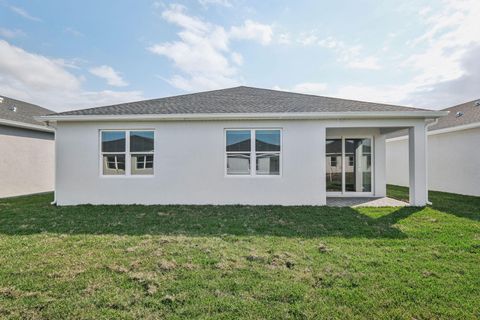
x,y
116,162
333,161
253,152
144,162
127,152
351,161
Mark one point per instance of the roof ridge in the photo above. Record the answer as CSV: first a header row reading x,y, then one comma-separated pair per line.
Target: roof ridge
x,y
461,104
236,87
240,99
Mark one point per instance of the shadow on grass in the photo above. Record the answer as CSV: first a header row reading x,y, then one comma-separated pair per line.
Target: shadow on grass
x,y
34,214
459,205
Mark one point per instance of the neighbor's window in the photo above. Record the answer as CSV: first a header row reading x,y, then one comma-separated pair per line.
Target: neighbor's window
x,y
127,152
253,152
351,161
333,161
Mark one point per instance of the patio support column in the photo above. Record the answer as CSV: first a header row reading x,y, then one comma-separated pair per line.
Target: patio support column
x,y
380,166
417,164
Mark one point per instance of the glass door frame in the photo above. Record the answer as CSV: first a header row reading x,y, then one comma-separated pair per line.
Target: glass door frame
x,y
345,193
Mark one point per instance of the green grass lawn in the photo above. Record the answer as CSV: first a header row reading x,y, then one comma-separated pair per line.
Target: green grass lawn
x,y
229,262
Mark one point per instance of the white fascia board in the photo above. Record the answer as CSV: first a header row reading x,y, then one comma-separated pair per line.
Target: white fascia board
x,y
250,116
440,131
24,125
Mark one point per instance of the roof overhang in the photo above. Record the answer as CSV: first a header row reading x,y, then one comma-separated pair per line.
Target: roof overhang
x,y
250,116
24,125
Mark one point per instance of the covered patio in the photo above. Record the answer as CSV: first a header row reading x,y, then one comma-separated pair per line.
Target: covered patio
x,y
355,162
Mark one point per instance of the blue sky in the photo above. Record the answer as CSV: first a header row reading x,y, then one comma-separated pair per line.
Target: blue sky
x,y
75,54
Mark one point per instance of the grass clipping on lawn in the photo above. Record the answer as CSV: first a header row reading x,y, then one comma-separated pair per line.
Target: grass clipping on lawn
x,y
265,262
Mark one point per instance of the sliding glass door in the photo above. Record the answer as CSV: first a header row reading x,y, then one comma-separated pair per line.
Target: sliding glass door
x,y
349,165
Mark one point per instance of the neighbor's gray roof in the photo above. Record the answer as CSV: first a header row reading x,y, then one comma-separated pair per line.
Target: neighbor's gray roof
x,y
24,112
238,100
471,114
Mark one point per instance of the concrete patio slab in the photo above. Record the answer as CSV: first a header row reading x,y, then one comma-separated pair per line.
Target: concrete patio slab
x,y
365,202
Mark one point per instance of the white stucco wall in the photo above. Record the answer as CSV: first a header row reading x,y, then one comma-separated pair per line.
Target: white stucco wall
x,y
26,161
453,162
190,164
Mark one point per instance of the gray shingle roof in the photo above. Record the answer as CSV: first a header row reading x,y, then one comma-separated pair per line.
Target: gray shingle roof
x,y
471,114
239,100
24,112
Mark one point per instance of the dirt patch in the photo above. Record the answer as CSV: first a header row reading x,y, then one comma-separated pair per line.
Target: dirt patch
x,y
11,292
117,269
151,289
256,258
165,265
322,248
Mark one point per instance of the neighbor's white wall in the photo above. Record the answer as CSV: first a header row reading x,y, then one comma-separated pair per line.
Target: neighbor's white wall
x,y
190,166
453,162
397,162
26,161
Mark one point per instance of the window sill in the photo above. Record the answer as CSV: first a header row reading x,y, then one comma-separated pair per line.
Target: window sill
x,y
127,177
252,176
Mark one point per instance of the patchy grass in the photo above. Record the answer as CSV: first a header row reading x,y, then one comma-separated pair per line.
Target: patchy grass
x,y
129,262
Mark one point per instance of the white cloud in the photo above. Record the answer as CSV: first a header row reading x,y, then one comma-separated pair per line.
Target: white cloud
x,y
158,4
447,61
307,39
9,33
392,94
316,88
370,63
350,55
112,77
225,3
444,63
284,38
201,82
237,58
252,30
48,82
450,36
202,52
176,15
34,70
23,13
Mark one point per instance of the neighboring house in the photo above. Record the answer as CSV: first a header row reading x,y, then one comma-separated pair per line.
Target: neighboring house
x,y
453,152
27,149
233,146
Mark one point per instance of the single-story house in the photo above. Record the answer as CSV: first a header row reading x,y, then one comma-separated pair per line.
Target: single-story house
x,y
27,149
453,152
240,145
